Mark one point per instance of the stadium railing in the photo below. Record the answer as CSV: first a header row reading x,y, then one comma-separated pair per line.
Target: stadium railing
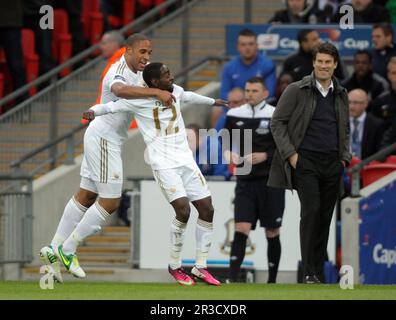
x,y
16,219
355,171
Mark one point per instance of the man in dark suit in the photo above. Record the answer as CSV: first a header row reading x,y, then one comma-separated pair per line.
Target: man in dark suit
x,y
310,129
366,129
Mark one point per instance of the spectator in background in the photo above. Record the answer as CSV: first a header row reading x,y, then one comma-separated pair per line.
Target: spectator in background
x,y
384,48
300,63
43,37
254,200
364,78
112,48
235,98
389,136
366,129
284,79
384,106
212,163
365,11
112,45
10,40
297,11
249,63
326,9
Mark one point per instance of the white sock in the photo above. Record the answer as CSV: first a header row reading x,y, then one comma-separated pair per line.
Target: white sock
x,y
89,225
203,235
178,229
72,215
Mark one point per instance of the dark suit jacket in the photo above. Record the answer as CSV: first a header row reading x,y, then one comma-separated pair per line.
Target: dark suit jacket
x,y
372,135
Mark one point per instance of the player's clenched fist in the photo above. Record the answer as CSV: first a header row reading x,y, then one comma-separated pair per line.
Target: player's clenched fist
x,y
89,115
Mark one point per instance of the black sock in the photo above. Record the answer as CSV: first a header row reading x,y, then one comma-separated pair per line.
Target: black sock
x,y
273,254
237,254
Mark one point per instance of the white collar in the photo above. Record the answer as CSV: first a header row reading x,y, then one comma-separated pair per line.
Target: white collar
x,y
322,90
261,105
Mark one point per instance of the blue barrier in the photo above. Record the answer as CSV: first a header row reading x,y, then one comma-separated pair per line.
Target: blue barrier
x,y
377,236
280,40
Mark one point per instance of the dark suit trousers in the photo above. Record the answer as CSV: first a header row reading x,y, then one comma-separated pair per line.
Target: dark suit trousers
x,y
317,179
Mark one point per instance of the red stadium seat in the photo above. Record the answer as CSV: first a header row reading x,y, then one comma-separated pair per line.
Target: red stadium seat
x,y
391,159
92,20
129,11
128,15
61,40
31,59
376,171
145,4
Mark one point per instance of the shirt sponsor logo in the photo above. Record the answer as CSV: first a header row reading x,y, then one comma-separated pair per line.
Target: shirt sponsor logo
x,y
119,77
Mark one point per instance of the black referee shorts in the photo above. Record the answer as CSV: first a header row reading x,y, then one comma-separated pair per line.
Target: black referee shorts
x,y
254,200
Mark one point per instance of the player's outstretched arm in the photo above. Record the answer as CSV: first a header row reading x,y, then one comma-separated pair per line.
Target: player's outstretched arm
x,y
111,107
190,97
131,92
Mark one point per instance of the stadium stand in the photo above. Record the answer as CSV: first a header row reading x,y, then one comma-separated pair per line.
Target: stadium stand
x,y
207,19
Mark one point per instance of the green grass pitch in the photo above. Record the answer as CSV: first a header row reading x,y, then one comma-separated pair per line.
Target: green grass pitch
x,y
169,291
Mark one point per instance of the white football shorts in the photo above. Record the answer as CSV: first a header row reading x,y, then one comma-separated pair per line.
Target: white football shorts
x,y
185,181
101,168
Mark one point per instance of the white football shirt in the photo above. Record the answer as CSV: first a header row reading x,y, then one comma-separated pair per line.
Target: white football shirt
x,y
114,127
162,128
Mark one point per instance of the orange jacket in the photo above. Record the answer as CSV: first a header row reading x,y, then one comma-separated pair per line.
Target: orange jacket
x,y
113,59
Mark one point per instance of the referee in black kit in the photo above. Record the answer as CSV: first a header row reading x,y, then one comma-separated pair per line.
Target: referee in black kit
x,y
254,200
310,126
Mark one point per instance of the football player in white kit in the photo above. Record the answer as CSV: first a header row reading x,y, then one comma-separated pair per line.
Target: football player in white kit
x,y
173,165
101,169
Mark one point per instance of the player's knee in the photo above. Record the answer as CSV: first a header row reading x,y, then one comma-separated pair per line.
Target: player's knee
x,y
183,212
85,198
243,228
272,233
110,205
207,213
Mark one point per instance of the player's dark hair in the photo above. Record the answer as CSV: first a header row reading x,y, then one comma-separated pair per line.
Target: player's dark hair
x,y
135,38
152,71
327,48
366,52
247,33
257,80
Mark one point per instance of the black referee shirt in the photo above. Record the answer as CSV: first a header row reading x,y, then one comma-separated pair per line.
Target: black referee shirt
x,y
257,119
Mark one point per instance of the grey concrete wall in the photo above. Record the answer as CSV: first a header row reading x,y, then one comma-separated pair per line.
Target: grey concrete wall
x,y
52,191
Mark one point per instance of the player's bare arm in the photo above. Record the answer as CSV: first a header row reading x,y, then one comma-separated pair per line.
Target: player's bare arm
x,y
131,92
